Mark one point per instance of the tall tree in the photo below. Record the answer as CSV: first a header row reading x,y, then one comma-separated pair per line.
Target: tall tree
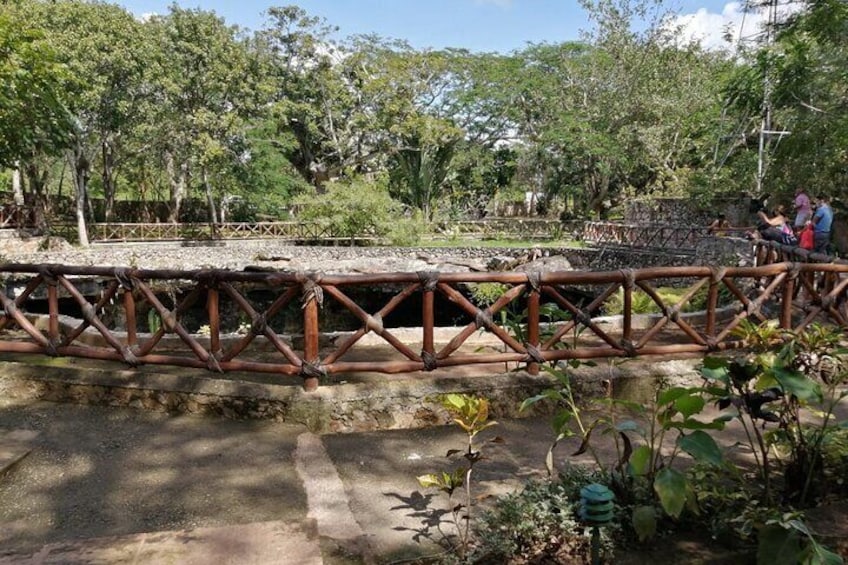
x,y
207,87
32,113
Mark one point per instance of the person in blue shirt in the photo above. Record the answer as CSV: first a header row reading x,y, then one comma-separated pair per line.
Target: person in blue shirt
x,y
822,222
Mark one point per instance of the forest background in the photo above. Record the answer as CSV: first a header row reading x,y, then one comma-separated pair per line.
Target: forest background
x,y
100,106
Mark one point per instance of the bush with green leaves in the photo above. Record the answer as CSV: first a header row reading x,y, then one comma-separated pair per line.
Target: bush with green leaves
x,y
359,208
539,524
642,303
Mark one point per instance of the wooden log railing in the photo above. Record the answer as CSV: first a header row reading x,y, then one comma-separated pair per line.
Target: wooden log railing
x,y
14,216
681,238
299,231
755,293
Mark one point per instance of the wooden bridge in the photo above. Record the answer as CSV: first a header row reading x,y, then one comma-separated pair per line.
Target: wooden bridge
x,y
794,290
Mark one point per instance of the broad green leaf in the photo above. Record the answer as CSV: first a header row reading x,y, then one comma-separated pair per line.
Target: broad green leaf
x,y
670,486
693,424
689,404
640,460
718,374
670,395
645,522
702,447
547,395
779,546
792,382
817,554
561,421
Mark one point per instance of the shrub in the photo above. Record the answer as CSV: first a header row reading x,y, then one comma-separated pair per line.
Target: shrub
x,y
357,208
538,524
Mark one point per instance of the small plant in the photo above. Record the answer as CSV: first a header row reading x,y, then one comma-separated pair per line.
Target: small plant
x,y
472,415
568,421
643,474
154,321
787,539
785,376
538,524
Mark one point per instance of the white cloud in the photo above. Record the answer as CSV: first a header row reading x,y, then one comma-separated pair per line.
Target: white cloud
x,y
710,29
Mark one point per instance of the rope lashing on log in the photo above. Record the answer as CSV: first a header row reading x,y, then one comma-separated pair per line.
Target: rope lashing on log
x,y
47,274
213,365
51,348
717,274
169,321
483,319
629,278
129,356
628,347
533,354
312,371
258,324
672,312
374,323
311,289
828,301
534,279
794,271
209,277
712,343
124,278
583,317
431,362
429,280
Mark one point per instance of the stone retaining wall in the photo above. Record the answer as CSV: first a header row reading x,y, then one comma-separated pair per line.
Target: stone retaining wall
x,y
394,403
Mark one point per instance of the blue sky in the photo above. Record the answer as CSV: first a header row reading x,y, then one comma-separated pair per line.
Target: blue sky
x,y
478,25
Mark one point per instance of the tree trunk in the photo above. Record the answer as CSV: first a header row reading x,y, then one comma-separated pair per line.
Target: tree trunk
x,y
17,190
37,180
213,214
80,167
108,179
178,181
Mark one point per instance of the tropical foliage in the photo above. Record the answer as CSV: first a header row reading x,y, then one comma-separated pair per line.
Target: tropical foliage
x,y
184,107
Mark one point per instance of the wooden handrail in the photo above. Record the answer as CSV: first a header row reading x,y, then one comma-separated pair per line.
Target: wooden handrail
x,y
527,340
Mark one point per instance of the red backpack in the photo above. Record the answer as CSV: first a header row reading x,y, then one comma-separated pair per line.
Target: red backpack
x,y
807,237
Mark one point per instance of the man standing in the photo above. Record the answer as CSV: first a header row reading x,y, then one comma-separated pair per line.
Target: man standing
x,y
822,221
803,209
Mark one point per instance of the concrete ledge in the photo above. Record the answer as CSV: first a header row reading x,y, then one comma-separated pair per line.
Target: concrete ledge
x,y
15,445
390,402
398,403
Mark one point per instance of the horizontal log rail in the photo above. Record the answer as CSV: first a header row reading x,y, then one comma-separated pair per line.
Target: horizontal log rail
x,y
651,236
680,238
496,228
732,294
14,216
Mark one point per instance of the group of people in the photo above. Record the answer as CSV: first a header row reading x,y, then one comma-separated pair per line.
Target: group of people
x,y
810,228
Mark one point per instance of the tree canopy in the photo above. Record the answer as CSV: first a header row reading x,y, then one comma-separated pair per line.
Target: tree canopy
x,y
101,106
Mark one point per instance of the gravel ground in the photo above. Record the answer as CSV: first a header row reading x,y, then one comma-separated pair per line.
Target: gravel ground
x,y
265,253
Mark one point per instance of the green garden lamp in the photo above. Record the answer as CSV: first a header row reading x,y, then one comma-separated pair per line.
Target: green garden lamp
x,y
596,510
